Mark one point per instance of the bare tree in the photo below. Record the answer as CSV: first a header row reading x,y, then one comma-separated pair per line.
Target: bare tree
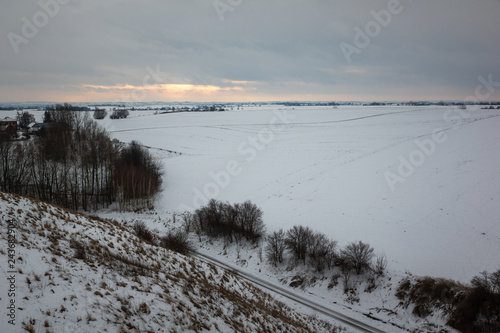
x,y
25,118
249,221
142,231
275,247
380,265
322,251
63,114
298,240
14,167
358,255
187,221
489,282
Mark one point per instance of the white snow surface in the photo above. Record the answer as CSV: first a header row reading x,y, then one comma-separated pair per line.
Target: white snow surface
x,y
317,166
123,284
327,168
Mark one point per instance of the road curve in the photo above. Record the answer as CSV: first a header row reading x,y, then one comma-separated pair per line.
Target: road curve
x,y
346,320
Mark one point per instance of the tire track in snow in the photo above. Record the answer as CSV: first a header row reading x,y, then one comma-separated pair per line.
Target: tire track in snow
x,y
225,126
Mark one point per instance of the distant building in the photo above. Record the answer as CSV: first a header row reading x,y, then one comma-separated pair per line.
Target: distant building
x,y
40,128
8,125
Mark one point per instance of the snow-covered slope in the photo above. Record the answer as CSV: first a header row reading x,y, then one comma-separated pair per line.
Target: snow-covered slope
x,y
328,168
119,283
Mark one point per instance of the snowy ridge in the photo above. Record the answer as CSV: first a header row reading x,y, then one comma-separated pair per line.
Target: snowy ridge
x,y
122,284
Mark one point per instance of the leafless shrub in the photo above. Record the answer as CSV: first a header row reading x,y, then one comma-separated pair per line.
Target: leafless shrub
x,y
334,281
372,282
80,249
177,242
142,231
346,280
479,310
471,308
403,290
380,265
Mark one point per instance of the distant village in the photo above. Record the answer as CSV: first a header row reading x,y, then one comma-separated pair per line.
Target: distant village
x,y
24,125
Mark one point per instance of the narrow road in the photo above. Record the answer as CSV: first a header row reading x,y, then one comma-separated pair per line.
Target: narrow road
x,y
355,324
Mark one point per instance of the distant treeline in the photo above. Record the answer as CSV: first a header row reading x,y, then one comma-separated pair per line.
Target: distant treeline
x,y
66,107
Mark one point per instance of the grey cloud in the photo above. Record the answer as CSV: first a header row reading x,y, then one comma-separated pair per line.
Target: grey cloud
x,y
430,44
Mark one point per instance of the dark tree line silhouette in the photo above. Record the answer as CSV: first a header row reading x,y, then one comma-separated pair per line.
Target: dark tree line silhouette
x,y
137,177
75,164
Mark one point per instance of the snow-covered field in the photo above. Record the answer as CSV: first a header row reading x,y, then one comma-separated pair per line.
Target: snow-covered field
x,y
419,184
376,174
340,171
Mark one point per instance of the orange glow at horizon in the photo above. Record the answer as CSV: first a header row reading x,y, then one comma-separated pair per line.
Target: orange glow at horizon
x,y
235,92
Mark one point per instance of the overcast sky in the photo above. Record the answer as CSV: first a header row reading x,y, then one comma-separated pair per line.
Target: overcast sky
x,y
248,50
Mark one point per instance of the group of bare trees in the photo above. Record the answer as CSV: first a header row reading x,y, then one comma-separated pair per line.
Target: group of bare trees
x,y
303,245
297,245
119,114
75,164
232,222
138,177
315,249
70,165
100,113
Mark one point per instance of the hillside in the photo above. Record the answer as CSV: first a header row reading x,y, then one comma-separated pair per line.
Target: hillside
x,y
74,273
